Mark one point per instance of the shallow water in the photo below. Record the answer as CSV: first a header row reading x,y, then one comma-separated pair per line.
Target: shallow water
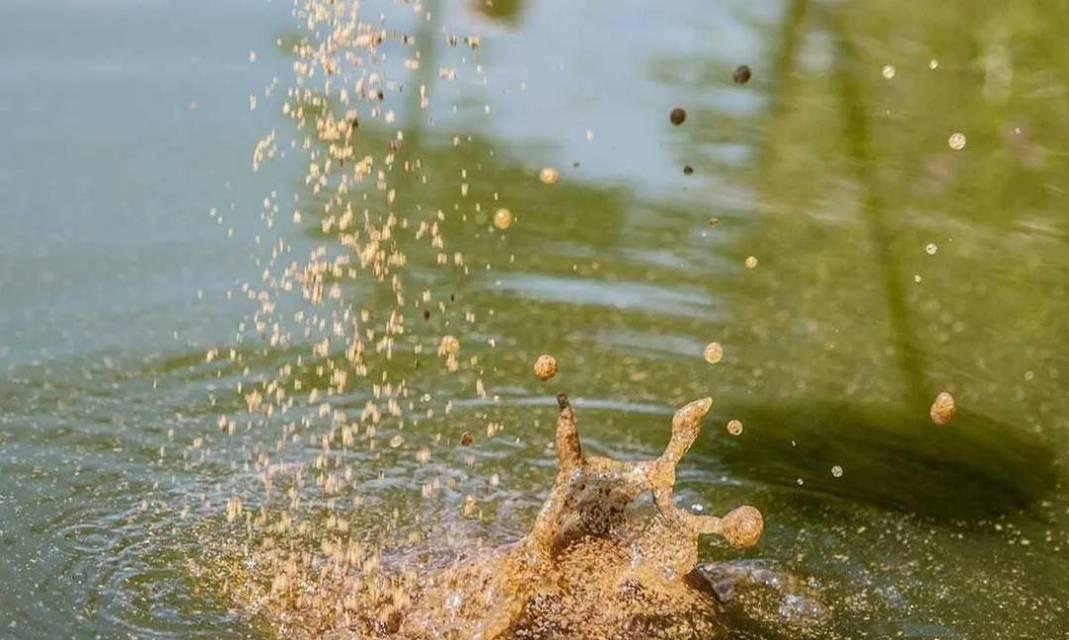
x,y
128,138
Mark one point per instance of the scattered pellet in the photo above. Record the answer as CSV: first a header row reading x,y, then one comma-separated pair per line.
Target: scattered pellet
x,y
742,74
943,409
503,219
735,427
449,346
545,367
751,262
678,116
714,352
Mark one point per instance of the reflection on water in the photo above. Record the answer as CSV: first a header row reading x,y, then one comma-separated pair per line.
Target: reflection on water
x,y
837,177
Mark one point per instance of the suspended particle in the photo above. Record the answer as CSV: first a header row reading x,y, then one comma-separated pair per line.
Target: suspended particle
x,y
943,409
545,367
735,427
549,175
956,141
714,353
837,471
888,71
742,74
503,219
751,262
678,116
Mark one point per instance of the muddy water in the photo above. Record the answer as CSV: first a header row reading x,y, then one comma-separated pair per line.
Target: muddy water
x,y
890,267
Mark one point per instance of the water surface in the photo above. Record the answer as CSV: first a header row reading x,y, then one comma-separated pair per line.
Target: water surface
x,y
890,267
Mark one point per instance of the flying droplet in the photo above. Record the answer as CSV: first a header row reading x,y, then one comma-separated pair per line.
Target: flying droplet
x,y
714,352
545,367
943,409
735,427
956,141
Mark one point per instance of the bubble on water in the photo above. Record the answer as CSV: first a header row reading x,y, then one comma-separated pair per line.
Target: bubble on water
x,y
545,367
943,409
714,352
888,71
931,248
837,471
549,175
956,141
751,262
503,219
734,427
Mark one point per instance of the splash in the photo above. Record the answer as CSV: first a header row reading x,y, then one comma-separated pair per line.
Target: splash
x,y
595,564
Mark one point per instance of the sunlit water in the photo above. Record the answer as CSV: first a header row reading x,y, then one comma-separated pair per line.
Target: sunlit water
x,y
128,137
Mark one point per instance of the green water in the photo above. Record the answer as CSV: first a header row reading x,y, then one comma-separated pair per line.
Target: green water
x,y
124,124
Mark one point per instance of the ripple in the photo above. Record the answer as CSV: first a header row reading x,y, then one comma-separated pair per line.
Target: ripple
x,y
623,295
